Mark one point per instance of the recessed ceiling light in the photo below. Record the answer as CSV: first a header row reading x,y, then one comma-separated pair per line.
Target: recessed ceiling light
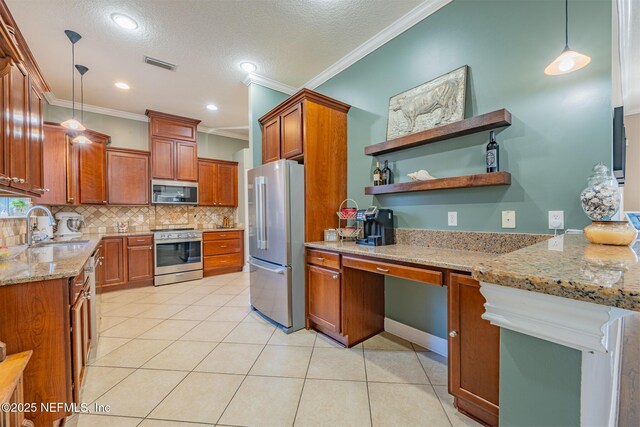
x,y
124,21
248,67
122,85
212,107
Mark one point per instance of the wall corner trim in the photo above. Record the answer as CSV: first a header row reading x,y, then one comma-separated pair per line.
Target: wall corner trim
x,y
402,24
416,336
269,83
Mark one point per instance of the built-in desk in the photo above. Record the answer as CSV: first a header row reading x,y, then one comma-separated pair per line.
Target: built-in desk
x,y
345,301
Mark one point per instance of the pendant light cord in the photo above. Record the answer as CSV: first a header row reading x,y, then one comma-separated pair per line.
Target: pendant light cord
x,y
73,80
566,24
82,98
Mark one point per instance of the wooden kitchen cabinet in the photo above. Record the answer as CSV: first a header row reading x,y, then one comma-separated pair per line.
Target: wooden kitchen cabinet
x,y
54,155
223,252
323,286
92,169
114,261
311,128
271,140
22,86
127,177
474,352
140,260
217,183
80,337
174,151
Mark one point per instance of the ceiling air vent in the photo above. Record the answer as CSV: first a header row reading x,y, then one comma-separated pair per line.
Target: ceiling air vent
x,y
158,63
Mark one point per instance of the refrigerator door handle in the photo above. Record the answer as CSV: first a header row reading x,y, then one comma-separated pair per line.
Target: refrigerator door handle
x,y
261,212
271,270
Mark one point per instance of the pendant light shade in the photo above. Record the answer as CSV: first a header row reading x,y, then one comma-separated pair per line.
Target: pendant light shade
x,y
73,124
81,138
569,60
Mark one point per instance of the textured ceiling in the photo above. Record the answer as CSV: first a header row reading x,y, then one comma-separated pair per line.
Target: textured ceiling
x,y
290,41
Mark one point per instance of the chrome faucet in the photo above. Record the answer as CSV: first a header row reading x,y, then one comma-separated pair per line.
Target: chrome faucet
x,y
27,219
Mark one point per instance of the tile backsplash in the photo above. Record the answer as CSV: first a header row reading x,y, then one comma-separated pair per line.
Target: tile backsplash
x,y
102,219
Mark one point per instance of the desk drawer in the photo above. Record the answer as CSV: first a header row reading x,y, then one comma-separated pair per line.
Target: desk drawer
x,y
323,259
218,247
221,235
411,273
139,241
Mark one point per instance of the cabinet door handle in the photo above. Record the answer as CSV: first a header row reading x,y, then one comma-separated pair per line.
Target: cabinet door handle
x,y
15,179
223,246
5,178
384,270
320,259
453,334
335,276
21,180
141,240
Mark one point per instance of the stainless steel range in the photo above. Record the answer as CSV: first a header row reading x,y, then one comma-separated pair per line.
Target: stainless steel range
x,y
178,255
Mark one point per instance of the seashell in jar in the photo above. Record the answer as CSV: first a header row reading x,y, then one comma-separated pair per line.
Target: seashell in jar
x,y
421,175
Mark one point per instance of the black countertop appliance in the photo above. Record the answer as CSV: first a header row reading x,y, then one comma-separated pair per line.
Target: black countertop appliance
x,y
377,225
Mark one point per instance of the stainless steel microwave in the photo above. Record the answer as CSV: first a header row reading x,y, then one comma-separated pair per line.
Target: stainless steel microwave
x,y
166,192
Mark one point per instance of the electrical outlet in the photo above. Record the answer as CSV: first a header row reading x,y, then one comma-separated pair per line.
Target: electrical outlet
x,y
452,219
140,218
214,217
508,219
556,220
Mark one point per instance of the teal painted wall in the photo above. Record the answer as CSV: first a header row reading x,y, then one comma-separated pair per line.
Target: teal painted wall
x,y
561,125
539,382
134,134
261,101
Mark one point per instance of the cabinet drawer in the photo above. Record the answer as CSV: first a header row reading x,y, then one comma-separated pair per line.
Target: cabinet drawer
x,y
324,259
218,261
139,240
219,247
411,273
222,235
77,284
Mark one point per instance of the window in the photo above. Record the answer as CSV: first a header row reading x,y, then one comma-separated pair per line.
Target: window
x,y
14,207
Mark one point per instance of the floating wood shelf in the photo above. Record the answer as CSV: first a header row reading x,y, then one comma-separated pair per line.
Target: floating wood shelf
x,y
466,181
492,120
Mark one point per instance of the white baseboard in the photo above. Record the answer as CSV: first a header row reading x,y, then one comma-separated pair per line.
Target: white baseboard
x,y
416,336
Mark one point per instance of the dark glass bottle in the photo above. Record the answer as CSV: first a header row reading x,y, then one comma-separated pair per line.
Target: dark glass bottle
x,y
377,175
387,175
493,154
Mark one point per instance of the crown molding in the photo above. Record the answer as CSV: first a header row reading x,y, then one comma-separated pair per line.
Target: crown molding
x,y
428,7
52,100
269,83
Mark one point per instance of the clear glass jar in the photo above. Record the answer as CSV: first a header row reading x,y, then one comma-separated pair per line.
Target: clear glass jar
x,y
620,233
601,199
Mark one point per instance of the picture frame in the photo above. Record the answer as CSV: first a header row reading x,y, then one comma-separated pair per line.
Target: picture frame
x,y
438,102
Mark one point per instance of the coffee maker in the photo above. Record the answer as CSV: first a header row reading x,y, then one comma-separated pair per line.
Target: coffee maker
x,y
377,225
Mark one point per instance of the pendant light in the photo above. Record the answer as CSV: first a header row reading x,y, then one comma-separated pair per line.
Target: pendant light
x,y
72,123
569,60
81,138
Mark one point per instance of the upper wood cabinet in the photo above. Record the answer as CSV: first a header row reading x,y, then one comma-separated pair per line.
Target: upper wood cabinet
x,y
474,351
127,177
217,183
312,128
21,91
174,152
54,155
92,169
271,140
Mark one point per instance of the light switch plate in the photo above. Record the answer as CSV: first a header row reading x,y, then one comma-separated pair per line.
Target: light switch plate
x,y
452,219
508,219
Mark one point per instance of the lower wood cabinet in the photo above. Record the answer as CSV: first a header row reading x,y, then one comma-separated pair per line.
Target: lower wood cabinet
x,y
126,261
80,336
474,352
223,252
325,296
114,261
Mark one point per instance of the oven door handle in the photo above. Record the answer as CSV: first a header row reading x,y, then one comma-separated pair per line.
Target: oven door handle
x,y
159,242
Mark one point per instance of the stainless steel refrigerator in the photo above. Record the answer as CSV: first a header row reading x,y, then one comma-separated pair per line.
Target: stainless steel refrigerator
x,y
276,242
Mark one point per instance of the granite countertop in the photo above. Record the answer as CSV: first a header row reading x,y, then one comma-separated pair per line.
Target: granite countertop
x,y
453,259
569,266
49,262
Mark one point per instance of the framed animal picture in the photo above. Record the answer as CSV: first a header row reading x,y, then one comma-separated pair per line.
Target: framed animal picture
x,y
438,102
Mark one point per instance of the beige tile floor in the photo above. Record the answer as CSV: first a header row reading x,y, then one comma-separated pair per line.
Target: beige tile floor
x,y
195,354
